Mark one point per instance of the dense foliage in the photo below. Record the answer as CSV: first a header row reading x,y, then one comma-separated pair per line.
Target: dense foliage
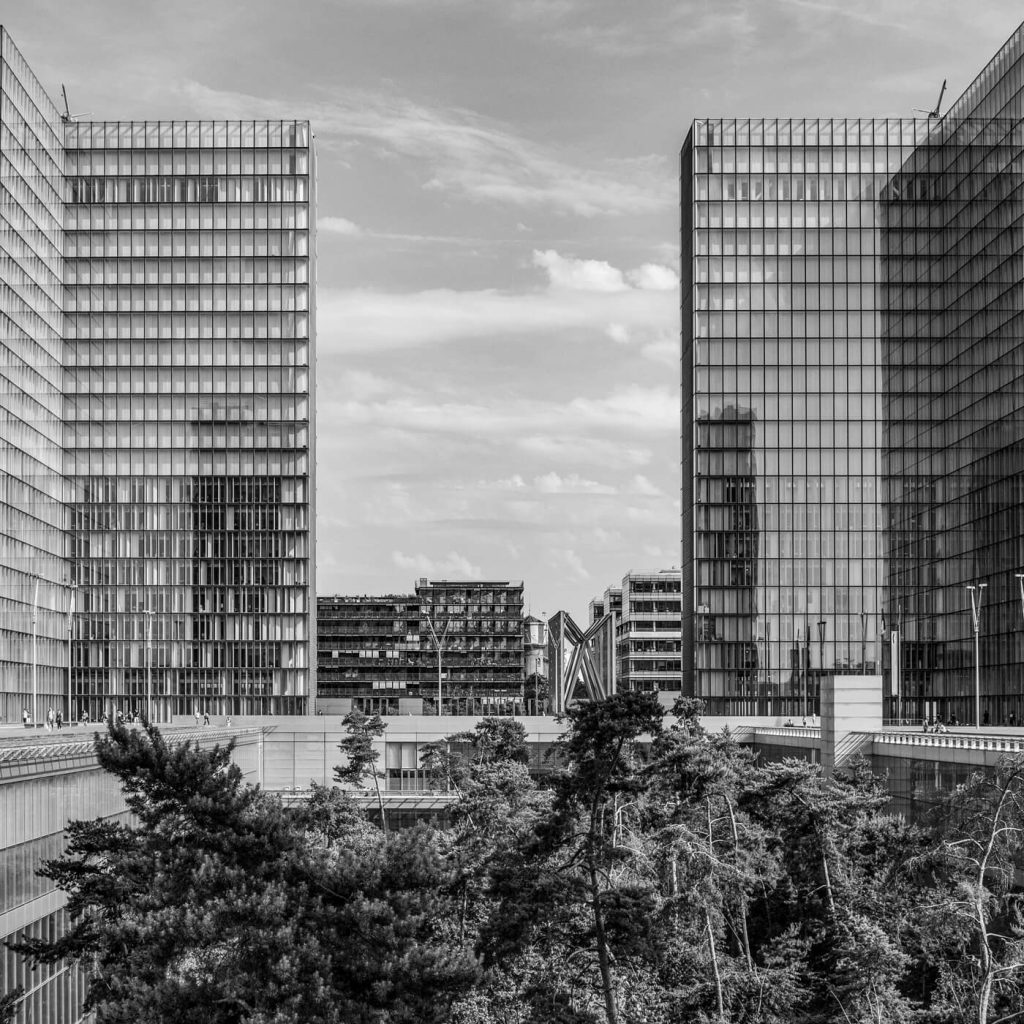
x,y
650,873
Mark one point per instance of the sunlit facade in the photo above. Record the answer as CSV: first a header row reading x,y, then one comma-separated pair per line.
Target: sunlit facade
x,y
156,388
33,568
188,414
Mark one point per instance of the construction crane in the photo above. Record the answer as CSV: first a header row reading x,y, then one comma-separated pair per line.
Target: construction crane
x,y
938,104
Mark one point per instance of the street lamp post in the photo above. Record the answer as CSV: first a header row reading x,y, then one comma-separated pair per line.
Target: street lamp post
x,y
35,652
149,665
821,652
71,633
807,667
439,646
977,593
864,642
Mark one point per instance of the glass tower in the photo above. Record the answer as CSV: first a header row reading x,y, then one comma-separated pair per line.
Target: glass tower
x,y
33,570
782,412
188,412
953,401
853,406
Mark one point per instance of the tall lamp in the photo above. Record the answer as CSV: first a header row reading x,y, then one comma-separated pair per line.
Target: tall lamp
x,y
149,665
35,651
977,592
439,642
71,638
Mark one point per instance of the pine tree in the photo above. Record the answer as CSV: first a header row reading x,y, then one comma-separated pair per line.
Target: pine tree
x,y
213,906
571,895
362,756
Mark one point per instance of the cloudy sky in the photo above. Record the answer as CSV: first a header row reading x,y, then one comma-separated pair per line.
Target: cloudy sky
x,y
498,305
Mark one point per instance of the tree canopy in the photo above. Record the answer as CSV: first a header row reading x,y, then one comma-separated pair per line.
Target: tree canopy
x,y
649,872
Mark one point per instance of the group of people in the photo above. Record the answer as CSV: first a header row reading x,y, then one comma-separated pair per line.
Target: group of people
x,y
130,717
933,724
54,719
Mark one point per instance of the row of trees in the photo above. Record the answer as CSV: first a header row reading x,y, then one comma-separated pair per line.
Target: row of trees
x,y
657,873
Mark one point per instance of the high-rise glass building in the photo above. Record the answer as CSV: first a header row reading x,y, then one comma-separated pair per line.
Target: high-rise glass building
x,y
188,413
853,405
953,399
158,410
33,540
782,404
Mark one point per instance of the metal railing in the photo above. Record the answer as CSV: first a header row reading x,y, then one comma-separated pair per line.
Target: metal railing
x,y
954,740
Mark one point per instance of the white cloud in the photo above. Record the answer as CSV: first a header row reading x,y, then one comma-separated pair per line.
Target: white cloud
x,y
654,277
575,564
515,482
665,351
588,450
641,485
362,385
605,538
452,565
573,483
585,296
338,226
618,333
654,515
579,275
634,409
462,152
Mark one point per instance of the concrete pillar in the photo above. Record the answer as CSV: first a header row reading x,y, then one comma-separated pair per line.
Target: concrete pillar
x,y
851,710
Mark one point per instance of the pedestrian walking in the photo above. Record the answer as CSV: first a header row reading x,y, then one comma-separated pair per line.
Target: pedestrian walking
x,y
50,719
198,717
60,719
206,718
24,717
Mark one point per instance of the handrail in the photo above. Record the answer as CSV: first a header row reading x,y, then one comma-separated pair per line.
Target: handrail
x,y
808,731
23,749
952,740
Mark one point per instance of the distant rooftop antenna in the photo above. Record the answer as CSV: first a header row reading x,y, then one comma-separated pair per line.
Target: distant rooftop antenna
x,y
938,104
67,115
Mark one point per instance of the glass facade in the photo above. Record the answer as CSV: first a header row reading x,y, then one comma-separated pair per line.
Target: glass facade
x,y
782,413
188,413
853,406
33,571
953,401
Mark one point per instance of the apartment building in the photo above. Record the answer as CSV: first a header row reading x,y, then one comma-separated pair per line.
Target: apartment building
x,y
461,639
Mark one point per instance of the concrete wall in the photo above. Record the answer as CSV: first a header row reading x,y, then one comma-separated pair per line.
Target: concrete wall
x,y
851,710
298,750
